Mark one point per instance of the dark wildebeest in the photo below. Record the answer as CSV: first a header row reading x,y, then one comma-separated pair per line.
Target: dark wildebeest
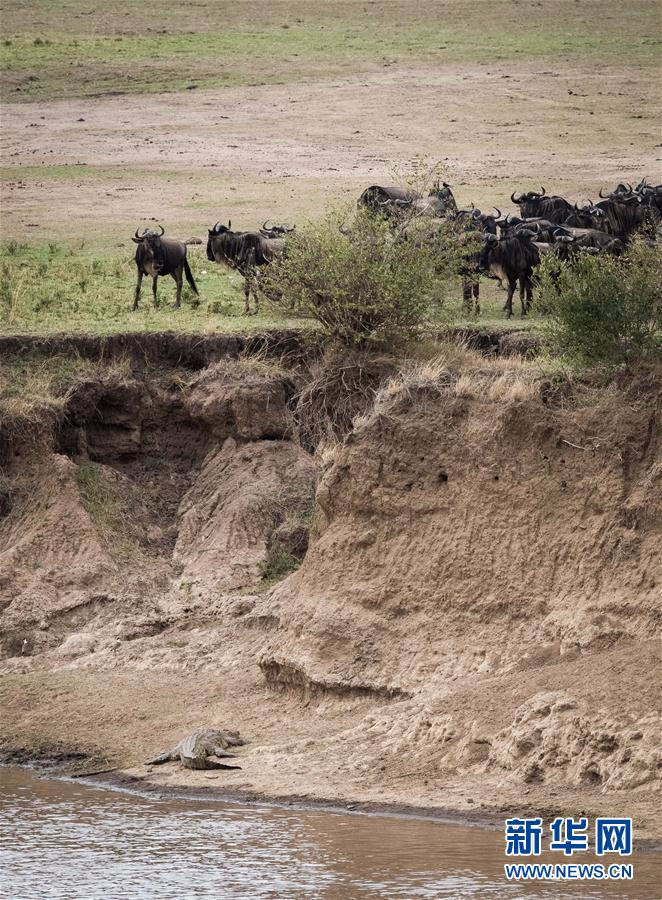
x,y
276,231
567,245
536,204
244,251
590,237
512,259
587,216
651,196
542,227
393,200
622,215
472,223
156,255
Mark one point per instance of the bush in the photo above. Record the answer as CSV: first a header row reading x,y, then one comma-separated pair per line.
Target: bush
x,y
604,310
362,278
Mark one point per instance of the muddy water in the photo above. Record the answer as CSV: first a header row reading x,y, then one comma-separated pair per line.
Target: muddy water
x,y
62,839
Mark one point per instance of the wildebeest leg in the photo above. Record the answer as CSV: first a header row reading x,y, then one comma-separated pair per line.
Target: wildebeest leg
x,y
137,294
247,293
177,275
466,293
512,283
523,281
529,294
477,295
154,280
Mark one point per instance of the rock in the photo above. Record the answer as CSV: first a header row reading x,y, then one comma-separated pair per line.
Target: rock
x,y
78,644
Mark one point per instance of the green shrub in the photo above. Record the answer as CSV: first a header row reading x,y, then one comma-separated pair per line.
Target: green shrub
x,y
604,310
362,278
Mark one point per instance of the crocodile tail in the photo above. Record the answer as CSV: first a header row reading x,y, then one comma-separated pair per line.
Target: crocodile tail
x,y
163,758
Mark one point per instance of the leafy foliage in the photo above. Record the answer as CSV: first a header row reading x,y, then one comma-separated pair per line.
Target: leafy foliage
x,y
363,278
604,310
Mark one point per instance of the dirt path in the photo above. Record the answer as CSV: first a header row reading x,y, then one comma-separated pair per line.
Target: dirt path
x,y
287,151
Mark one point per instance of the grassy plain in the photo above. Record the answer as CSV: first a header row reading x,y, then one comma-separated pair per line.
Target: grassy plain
x,y
216,44
116,115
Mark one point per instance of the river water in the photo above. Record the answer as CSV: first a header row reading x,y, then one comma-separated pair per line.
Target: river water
x,y
63,839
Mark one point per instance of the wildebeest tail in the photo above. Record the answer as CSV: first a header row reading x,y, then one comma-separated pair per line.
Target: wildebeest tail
x,y
189,276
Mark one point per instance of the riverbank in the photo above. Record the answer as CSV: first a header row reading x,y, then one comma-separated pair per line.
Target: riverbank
x,y
471,548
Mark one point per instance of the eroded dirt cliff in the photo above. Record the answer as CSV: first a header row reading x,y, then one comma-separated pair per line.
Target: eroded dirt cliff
x,y
475,623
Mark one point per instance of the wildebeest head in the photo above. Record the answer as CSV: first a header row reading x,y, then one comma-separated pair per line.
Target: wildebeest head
x,y
586,216
149,251
214,232
475,220
528,196
537,203
276,231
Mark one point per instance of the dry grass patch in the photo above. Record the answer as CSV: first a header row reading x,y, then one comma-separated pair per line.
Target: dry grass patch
x,y
457,370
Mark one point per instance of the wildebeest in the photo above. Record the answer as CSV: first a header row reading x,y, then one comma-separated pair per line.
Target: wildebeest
x,y
623,216
536,204
156,255
276,231
472,223
391,200
590,237
512,259
567,245
245,251
542,227
587,216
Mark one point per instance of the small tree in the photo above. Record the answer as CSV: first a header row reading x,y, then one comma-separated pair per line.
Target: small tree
x,y
604,310
362,277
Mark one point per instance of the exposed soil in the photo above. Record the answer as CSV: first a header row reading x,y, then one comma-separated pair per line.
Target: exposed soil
x,y
474,626
287,151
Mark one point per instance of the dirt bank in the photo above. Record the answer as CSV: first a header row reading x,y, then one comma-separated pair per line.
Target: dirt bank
x,y
474,625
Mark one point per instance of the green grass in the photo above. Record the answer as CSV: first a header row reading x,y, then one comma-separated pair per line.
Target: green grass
x,y
278,564
76,288
218,45
57,287
99,496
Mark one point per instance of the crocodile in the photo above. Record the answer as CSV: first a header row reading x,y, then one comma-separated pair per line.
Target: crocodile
x,y
194,751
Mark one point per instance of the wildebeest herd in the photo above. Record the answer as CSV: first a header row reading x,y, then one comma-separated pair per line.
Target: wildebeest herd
x,y
506,247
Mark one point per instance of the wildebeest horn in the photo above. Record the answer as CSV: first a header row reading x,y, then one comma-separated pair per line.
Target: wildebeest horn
x,y
264,225
498,212
137,236
600,194
629,187
476,214
512,197
162,230
542,191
